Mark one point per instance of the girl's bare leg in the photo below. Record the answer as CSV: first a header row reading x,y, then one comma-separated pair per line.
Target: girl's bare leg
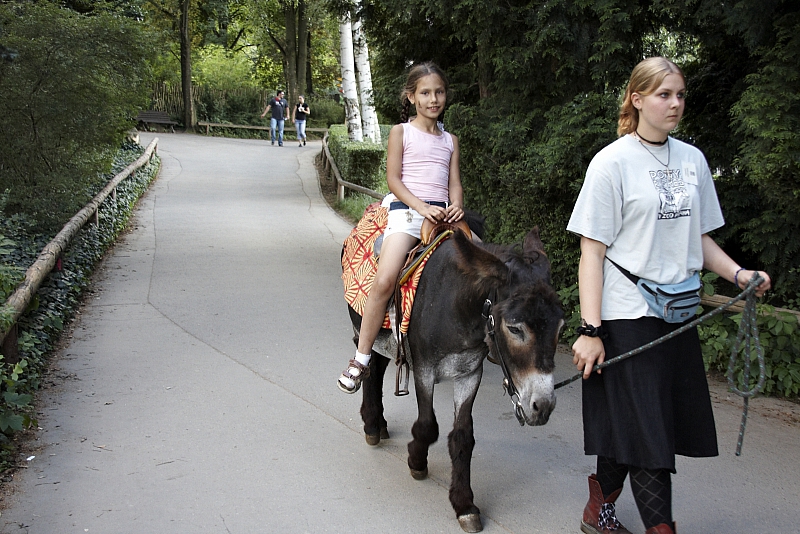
x,y
393,255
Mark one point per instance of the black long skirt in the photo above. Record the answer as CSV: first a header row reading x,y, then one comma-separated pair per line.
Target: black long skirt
x,y
644,410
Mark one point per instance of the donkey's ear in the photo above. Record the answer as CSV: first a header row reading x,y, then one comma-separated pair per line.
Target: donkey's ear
x,y
532,243
483,269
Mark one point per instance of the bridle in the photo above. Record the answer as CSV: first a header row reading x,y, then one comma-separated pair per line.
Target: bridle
x,y
508,382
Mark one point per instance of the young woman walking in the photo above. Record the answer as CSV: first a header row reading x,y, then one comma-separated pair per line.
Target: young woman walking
x,y
647,206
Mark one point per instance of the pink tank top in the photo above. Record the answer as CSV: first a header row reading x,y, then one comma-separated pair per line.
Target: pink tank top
x,y
426,163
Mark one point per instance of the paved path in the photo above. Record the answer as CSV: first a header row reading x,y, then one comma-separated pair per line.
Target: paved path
x,y
197,392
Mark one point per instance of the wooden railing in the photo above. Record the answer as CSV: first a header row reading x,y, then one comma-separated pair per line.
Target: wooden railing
x,y
715,301
330,166
18,302
209,125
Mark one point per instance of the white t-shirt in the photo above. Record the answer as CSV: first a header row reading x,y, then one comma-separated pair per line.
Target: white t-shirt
x,y
650,218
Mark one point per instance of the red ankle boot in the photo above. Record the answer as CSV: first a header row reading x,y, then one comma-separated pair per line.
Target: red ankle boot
x,y
663,528
599,515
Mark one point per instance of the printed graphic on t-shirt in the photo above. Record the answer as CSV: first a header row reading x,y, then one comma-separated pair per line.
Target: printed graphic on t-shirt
x,y
675,201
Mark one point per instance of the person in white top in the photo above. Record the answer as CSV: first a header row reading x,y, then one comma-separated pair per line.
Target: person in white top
x,y
648,203
423,176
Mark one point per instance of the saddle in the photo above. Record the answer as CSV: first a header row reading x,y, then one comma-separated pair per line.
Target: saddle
x,y
430,236
359,265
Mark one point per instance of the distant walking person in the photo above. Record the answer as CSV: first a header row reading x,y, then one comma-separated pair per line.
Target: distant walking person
x,y
299,114
280,112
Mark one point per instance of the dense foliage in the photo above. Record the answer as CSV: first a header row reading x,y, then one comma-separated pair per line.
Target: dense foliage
x,y
60,294
363,164
69,94
535,93
537,83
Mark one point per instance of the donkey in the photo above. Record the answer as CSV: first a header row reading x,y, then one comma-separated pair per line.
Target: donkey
x,y
451,331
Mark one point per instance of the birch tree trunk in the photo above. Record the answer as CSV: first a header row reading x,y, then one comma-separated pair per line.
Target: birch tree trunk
x,y
349,91
369,119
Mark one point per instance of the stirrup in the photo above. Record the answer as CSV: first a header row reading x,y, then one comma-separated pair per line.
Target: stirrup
x,y
357,379
401,380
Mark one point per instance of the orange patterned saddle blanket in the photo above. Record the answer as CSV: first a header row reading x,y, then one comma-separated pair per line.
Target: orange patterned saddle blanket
x,y
359,265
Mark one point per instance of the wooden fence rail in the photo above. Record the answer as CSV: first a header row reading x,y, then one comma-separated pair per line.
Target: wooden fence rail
x,y
18,302
330,166
209,125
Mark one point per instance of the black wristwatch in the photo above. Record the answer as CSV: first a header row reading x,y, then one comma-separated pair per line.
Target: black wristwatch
x,y
585,329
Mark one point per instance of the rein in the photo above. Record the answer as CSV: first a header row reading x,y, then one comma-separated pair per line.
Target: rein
x,y
748,331
508,382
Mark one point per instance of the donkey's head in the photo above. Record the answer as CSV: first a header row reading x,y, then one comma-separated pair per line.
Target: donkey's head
x,y
527,315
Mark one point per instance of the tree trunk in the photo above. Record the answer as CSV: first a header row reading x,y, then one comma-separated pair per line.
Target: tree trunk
x,y
186,66
309,85
290,63
369,119
349,91
302,47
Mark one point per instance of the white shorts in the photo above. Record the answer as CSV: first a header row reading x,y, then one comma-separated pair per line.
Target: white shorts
x,y
407,221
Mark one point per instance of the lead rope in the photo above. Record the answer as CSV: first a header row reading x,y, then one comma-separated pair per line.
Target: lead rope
x,y
748,331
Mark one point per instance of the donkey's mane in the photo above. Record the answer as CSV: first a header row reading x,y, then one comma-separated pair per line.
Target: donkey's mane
x,y
511,254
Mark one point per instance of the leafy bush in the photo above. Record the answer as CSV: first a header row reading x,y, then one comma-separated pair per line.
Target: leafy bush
x,y
242,105
780,339
59,296
362,163
68,99
325,112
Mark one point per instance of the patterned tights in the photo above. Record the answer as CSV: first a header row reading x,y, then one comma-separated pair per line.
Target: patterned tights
x,y
652,489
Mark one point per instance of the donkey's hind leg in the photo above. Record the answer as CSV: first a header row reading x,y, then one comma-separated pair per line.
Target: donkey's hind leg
x,y
425,429
375,427
461,442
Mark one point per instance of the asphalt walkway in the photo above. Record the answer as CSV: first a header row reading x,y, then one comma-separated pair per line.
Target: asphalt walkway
x,y
197,391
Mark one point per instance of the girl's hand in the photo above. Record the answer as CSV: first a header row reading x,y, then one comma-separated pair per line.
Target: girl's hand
x,y
432,213
454,213
588,352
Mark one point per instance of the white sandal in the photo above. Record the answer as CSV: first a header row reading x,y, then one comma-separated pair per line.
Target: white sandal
x,y
363,372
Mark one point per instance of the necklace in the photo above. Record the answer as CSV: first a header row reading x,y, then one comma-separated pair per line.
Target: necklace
x,y
656,143
666,165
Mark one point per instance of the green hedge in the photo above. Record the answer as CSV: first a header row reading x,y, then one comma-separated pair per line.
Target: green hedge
x,y
361,163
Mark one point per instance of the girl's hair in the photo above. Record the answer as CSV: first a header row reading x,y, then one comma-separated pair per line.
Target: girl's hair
x,y
645,78
418,71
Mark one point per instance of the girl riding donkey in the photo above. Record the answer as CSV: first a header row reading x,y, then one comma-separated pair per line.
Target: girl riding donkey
x,y
423,177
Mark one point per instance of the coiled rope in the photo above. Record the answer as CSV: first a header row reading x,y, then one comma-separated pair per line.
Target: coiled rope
x,y
748,333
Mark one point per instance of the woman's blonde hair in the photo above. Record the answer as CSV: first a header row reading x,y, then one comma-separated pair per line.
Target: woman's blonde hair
x,y
645,78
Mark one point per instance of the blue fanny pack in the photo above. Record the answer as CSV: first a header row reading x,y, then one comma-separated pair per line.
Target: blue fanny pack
x,y
675,303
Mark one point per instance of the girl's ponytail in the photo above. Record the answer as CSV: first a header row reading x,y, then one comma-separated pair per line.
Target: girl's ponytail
x,y
405,110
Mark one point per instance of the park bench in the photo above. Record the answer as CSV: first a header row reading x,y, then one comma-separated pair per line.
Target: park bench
x,y
146,118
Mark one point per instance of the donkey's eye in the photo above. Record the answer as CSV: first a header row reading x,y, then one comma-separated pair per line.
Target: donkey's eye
x,y
515,331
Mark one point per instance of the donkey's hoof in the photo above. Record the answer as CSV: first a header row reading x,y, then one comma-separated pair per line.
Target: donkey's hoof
x,y
420,475
374,439
470,522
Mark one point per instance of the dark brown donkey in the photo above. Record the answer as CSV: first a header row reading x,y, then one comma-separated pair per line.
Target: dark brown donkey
x,y
452,330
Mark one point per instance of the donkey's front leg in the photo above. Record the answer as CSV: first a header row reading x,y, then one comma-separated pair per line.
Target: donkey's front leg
x,y
375,428
461,443
425,429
